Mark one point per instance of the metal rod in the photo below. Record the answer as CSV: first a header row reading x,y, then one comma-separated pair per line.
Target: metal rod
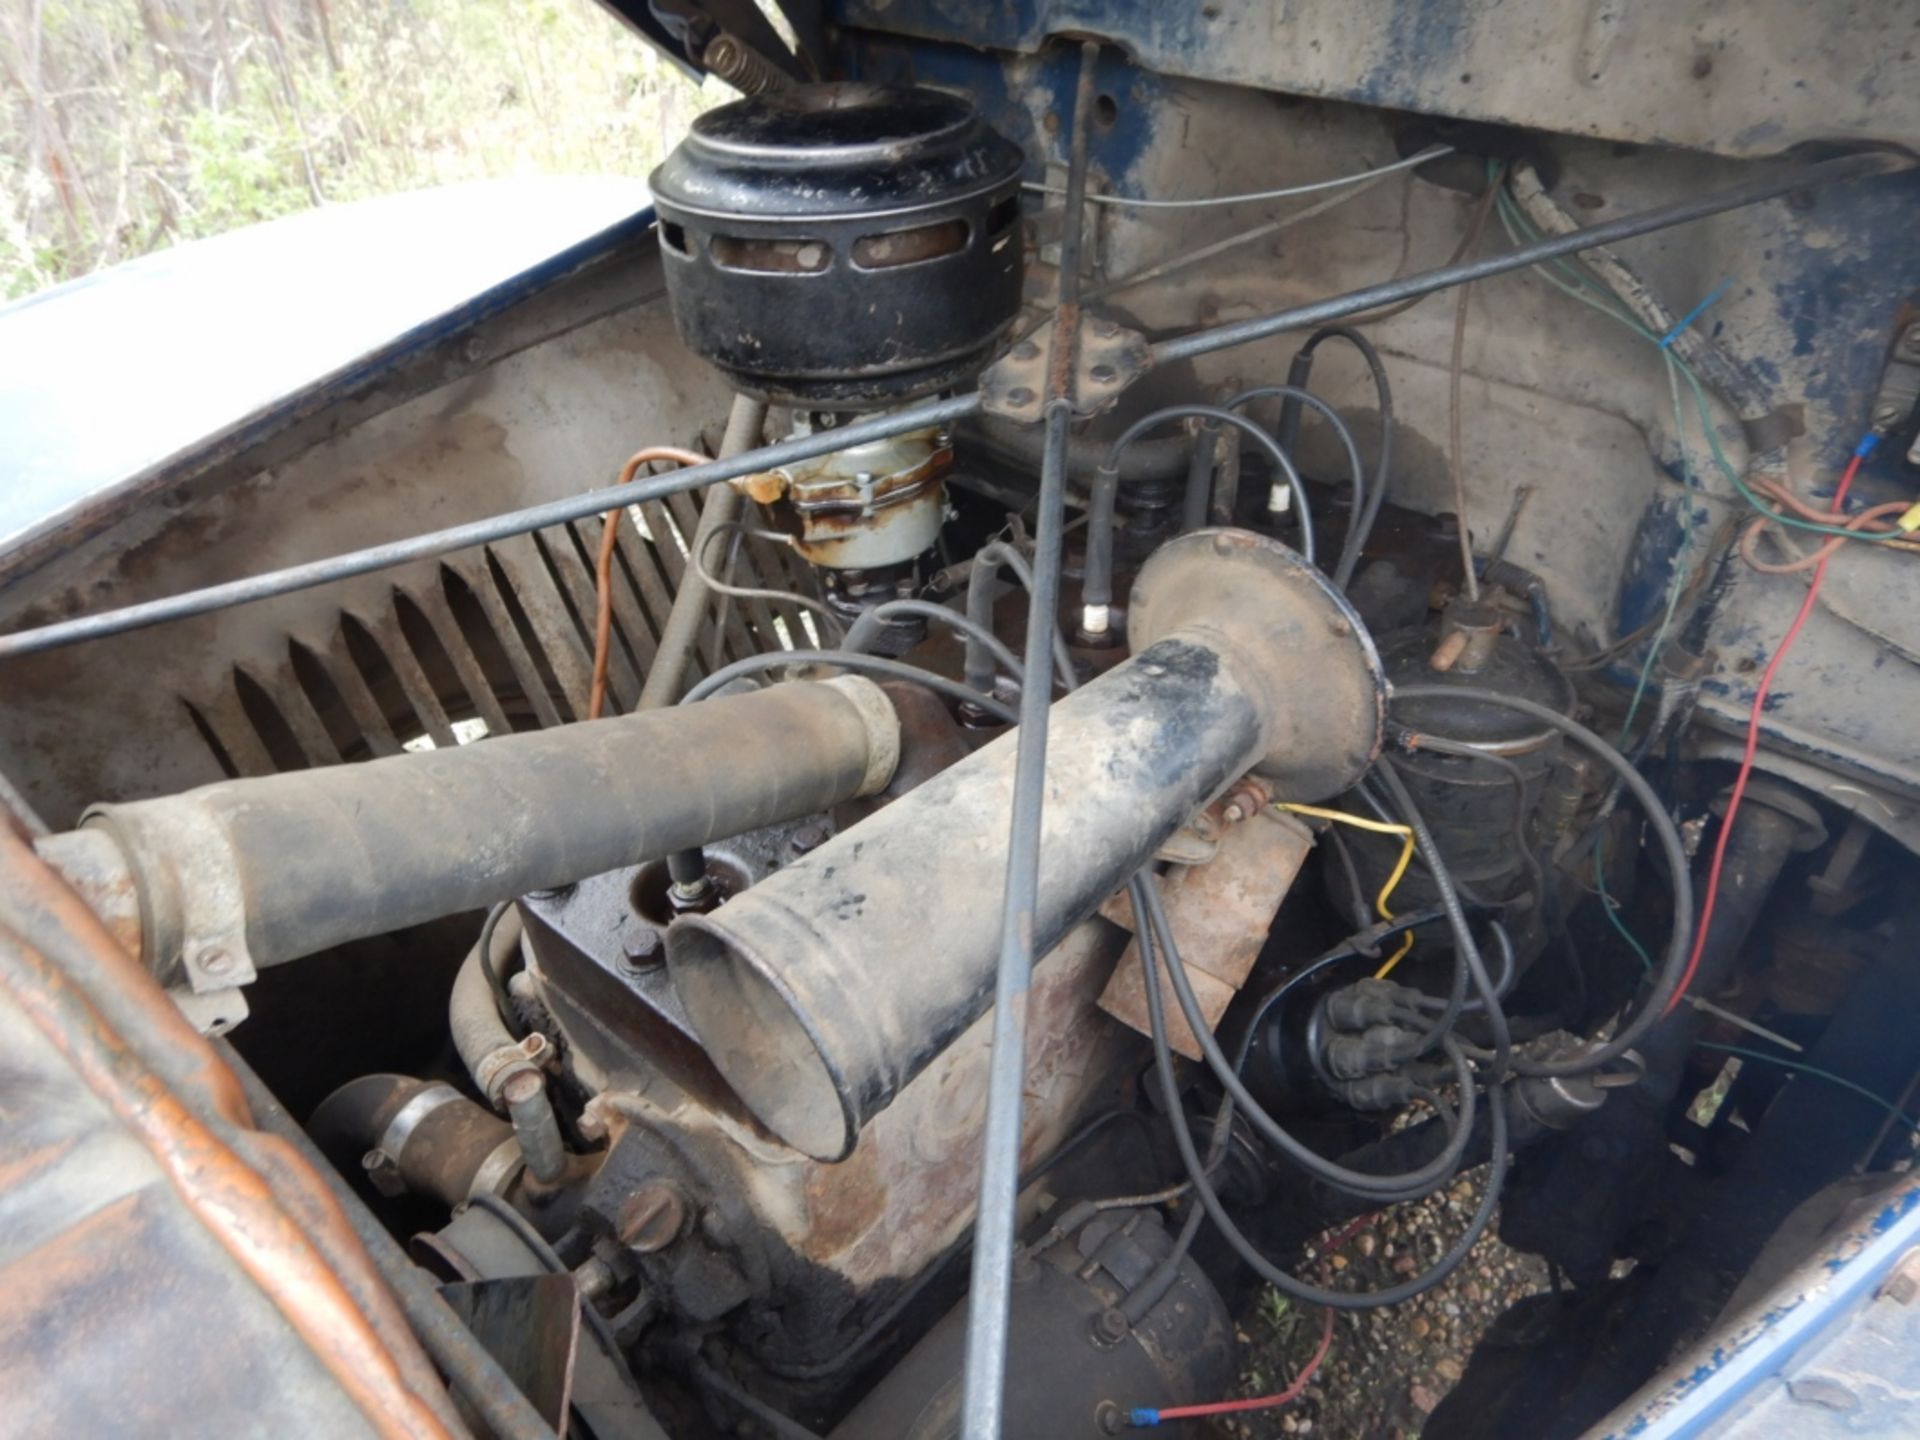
x,y
481,532
990,1297
1661,217
930,412
662,685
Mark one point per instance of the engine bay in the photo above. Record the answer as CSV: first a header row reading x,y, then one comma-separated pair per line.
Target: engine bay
x,y
1097,741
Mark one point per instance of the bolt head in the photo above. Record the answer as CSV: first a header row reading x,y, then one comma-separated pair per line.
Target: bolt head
x,y
652,1217
1020,395
1026,350
1103,374
645,951
807,838
216,962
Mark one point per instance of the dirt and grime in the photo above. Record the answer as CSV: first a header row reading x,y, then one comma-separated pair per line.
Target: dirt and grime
x,y
1387,1369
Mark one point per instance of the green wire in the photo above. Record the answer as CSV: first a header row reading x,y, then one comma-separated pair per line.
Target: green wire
x,y
1613,910
1520,231
1801,1067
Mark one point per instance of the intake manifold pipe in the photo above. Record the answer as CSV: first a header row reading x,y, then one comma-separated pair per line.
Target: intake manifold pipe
x,y
249,873
820,992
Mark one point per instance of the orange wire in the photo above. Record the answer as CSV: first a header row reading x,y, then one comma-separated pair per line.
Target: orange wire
x,y
1825,549
603,569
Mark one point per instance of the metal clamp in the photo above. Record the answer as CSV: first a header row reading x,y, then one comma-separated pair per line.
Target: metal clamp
x,y
1109,358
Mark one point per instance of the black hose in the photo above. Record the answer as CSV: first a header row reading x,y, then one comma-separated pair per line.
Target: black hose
x,y
1263,1267
1466,949
1097,586
1302,369
1427,1178
1296,396
866,664
1672,851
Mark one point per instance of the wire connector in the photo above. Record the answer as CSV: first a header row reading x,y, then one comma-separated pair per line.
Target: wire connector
x,y
1142,1417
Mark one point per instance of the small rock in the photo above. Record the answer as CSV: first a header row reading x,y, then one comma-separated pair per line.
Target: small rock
x,y
1365,1242
1424,1400
1405,1265
1474,1294
1339,1262
1420,1329
1448,1370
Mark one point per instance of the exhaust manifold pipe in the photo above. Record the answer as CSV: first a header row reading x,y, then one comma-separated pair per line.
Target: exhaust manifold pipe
x,y
820,992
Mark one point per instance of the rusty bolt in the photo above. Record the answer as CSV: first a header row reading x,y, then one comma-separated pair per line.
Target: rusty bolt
x,y
1902,1285
216,962
652,1217
645,951
1109,1328
1020,395
383,1174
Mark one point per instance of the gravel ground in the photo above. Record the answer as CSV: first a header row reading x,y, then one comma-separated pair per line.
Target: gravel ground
x,y
1386,1369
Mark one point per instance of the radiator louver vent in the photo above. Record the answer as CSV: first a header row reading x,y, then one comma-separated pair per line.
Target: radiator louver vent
x,y
492,641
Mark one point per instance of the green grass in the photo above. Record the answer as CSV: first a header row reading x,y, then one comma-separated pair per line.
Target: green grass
x,y
130,125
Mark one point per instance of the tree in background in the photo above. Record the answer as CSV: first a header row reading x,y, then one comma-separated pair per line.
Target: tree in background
x,y
130,125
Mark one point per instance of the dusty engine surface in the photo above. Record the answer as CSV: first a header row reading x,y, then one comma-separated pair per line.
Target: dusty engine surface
x,y
1057,827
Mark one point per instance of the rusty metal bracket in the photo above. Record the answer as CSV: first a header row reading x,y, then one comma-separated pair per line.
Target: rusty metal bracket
x,y
1899,393
1109,358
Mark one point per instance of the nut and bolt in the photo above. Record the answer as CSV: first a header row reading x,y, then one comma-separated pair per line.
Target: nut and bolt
x,y
216,962
643,952
652,1217
383,1174
807,838
1109,1328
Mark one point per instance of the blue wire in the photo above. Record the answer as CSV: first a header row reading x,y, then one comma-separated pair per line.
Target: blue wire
x,y
1680,326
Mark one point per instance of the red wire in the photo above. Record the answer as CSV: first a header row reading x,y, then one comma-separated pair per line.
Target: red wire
x,y
1753,745
1265,1402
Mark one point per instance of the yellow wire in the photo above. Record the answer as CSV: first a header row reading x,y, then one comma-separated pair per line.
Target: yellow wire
x,y
1378,827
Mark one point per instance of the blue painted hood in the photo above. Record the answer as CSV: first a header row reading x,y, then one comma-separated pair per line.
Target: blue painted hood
x,y
113,378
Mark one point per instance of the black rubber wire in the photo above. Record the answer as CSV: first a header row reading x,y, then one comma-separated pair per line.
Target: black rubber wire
x,y
1672,851
1209,1198
1409,1185
846,660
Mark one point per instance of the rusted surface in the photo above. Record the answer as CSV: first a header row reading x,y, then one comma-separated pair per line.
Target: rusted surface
x,y
909,1187
120,1071
1220,913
